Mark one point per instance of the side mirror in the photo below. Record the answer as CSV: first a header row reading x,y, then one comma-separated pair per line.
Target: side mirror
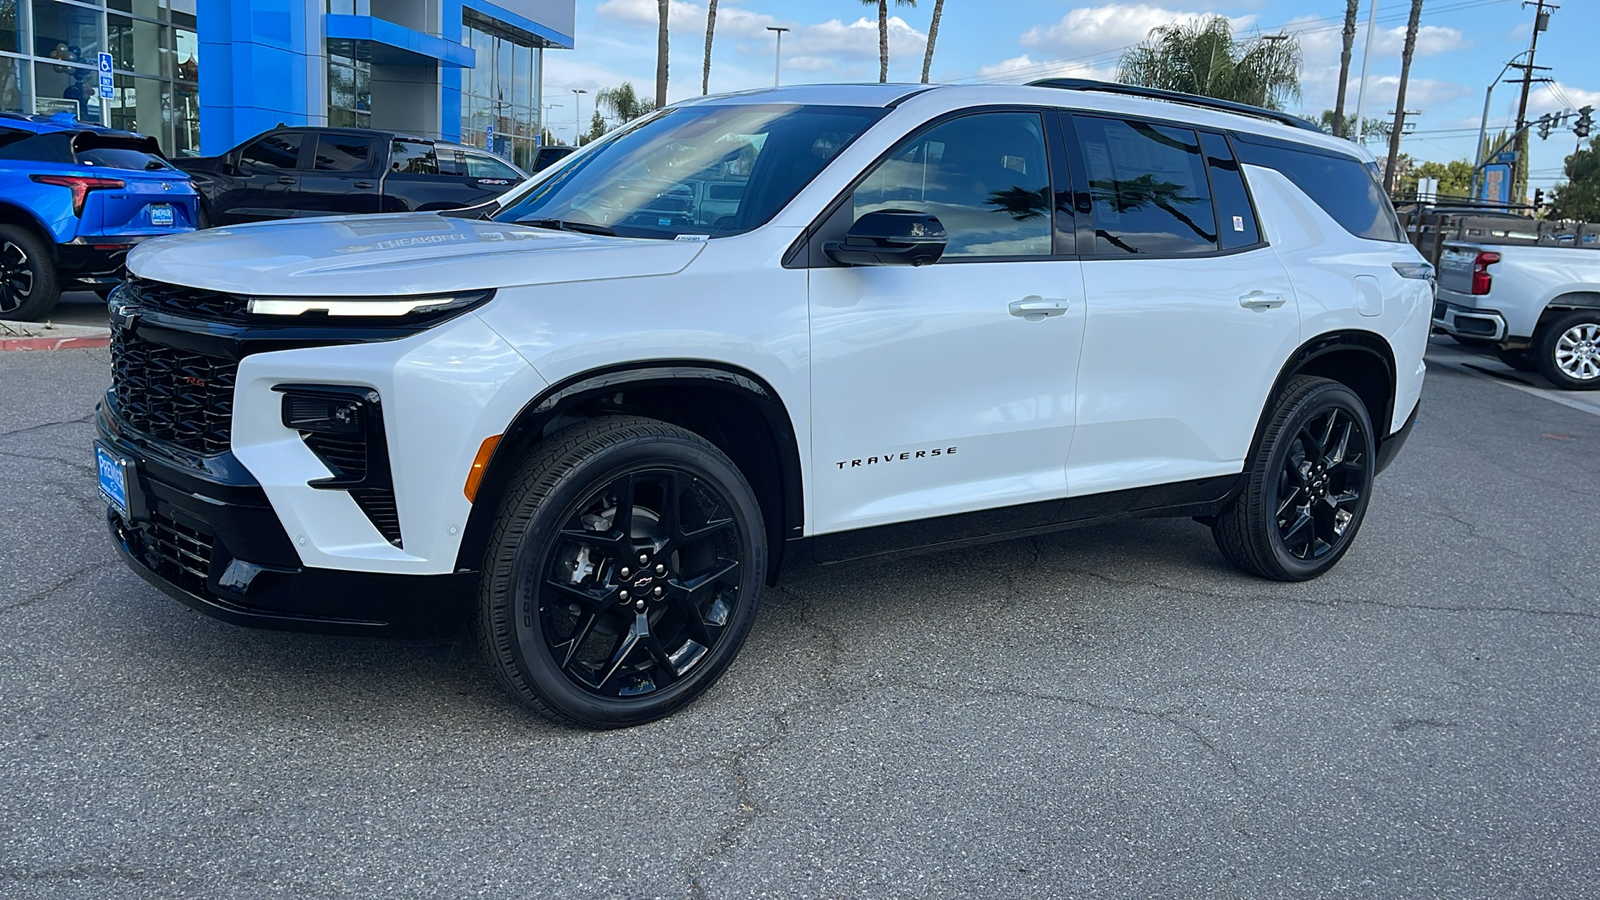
x,y
890,237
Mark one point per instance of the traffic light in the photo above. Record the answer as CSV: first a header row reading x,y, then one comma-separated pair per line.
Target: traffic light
x,y
1544,126
1538,198
1584,123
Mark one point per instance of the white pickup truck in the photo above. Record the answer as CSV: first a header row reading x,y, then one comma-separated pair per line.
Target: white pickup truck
x,y
1538,304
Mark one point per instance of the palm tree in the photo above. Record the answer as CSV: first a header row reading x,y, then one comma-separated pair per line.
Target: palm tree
x,y
623,102
1400,96
1202,57
1344,63
933,35
661,53
711,26
883,33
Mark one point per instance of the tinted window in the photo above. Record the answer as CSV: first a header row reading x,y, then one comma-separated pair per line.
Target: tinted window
x,y
412,158
1148,186
714,169
119,158
480,166
339,153
277,151
1341,185
1236,220
984,176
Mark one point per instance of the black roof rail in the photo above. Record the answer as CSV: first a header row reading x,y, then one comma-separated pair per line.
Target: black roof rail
x,y
1107,87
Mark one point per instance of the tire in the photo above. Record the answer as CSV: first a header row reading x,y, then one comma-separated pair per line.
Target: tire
x,y
29,288
1471,341
1521,360
1318,447
202,217
565,631
1567,350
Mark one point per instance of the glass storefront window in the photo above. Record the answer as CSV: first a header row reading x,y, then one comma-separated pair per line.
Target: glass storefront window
x,y
185,120
137,45
65,32
521,76
62,88
141,104
10,26
13,85
144,9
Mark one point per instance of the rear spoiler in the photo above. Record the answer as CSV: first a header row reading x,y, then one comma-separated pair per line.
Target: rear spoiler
x,y
124,140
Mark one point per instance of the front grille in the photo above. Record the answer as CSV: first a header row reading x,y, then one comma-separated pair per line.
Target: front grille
x,y
379,506
176,552
182,398
193,303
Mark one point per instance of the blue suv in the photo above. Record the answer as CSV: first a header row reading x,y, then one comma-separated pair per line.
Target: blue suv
x,y
74,199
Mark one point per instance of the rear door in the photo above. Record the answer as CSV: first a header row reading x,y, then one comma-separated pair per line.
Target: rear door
x,y
490,176
266,180
1191,314
422,176
342,178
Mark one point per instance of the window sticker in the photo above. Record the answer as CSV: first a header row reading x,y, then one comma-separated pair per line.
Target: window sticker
x,y
1238,223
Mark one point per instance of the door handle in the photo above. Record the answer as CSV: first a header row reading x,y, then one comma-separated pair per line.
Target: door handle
x,y
363,185
1034,308
287,179
1261,300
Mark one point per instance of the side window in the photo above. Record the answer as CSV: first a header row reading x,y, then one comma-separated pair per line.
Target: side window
x,y
275,151
412,158
343,153
1344,188
1148,187
984,176
481,166
1236,218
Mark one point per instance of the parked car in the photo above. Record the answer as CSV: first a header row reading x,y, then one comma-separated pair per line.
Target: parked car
x,y
549,156
822,322
1535,298
296,172
74,199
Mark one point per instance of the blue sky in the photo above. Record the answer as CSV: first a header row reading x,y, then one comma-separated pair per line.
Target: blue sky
x,y
1462,45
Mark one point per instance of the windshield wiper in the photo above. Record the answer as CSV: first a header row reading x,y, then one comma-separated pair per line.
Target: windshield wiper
x,y
565,225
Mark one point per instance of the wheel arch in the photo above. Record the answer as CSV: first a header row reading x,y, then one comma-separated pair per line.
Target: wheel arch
x,y
1363,361
13,214
1566,302
733,408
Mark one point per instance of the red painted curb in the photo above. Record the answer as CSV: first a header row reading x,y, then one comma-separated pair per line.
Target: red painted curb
x,y
55,343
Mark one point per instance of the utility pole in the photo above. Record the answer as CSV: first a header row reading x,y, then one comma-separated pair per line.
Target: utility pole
x,y
577,116
1541,22
777,54
1400,99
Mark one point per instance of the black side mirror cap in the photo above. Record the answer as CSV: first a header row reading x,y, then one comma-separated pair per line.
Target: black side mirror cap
x,y
890,237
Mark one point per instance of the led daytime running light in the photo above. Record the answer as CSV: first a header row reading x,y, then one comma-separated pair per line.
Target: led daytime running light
x,y
360,307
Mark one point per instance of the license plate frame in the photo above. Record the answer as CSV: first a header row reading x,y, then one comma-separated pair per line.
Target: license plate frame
x,y
113,470
162,214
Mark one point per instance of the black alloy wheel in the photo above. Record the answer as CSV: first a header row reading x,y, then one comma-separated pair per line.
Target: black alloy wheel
x,y
1307,487
624,575
28,287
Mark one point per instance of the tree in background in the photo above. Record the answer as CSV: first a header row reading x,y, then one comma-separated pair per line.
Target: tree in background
x,y
933,35
711,27
883,33
1455,177
661,52
1344,65
1400,97
1202,57
1375,130
623,103
1578,197
597,127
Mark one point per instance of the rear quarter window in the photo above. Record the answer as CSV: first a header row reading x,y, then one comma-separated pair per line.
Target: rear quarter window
x,y
1342,185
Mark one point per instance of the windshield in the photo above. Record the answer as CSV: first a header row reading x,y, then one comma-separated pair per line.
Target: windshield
x,y
712,170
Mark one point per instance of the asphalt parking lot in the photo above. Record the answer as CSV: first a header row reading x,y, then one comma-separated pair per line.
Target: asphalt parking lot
x,y
1108,712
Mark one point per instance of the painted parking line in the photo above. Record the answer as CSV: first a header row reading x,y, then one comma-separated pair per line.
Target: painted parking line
x,y
1481,365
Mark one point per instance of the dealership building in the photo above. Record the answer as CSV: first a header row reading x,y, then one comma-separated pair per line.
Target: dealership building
x,y
203,75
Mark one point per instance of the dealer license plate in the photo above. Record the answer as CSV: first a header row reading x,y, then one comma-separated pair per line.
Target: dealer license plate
x,y
113,478
160,214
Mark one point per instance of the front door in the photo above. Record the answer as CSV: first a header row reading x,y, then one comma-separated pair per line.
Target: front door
x,y
944,389
1190,314
267,183
342,179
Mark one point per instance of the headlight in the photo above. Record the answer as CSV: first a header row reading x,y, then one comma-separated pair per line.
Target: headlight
x,y
368,307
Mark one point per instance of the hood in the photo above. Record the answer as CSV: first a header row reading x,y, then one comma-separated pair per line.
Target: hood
x,y
392,255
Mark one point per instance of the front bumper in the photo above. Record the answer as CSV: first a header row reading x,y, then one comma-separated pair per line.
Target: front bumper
x,y
212,540
1483,324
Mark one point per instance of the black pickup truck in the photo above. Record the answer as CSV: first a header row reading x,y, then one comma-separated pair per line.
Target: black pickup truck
x,y
295,172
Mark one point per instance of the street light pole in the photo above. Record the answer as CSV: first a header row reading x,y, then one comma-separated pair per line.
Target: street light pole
x,y
777,54
577,116
1366,60
1483,126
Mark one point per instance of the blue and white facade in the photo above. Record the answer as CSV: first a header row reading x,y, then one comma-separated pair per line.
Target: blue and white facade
x,y
204,75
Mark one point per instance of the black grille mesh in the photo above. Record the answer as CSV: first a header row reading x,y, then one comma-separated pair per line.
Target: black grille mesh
x,y
172,395
177,552
190,302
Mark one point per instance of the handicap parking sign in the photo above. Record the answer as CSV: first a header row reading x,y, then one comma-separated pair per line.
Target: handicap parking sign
x,y
106,82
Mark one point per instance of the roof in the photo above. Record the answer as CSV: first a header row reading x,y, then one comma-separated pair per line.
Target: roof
x,y
1102,98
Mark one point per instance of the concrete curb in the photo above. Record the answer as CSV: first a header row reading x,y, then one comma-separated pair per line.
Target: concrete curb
x,y
55,343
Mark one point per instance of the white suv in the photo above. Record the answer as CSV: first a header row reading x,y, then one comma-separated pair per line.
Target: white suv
x,y
825,321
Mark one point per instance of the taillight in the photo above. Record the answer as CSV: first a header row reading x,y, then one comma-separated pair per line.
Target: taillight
x,y
81,185
1481,279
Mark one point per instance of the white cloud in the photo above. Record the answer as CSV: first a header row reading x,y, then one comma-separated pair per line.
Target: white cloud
x,y
1544,98
1021,69
1319,73
1108,29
